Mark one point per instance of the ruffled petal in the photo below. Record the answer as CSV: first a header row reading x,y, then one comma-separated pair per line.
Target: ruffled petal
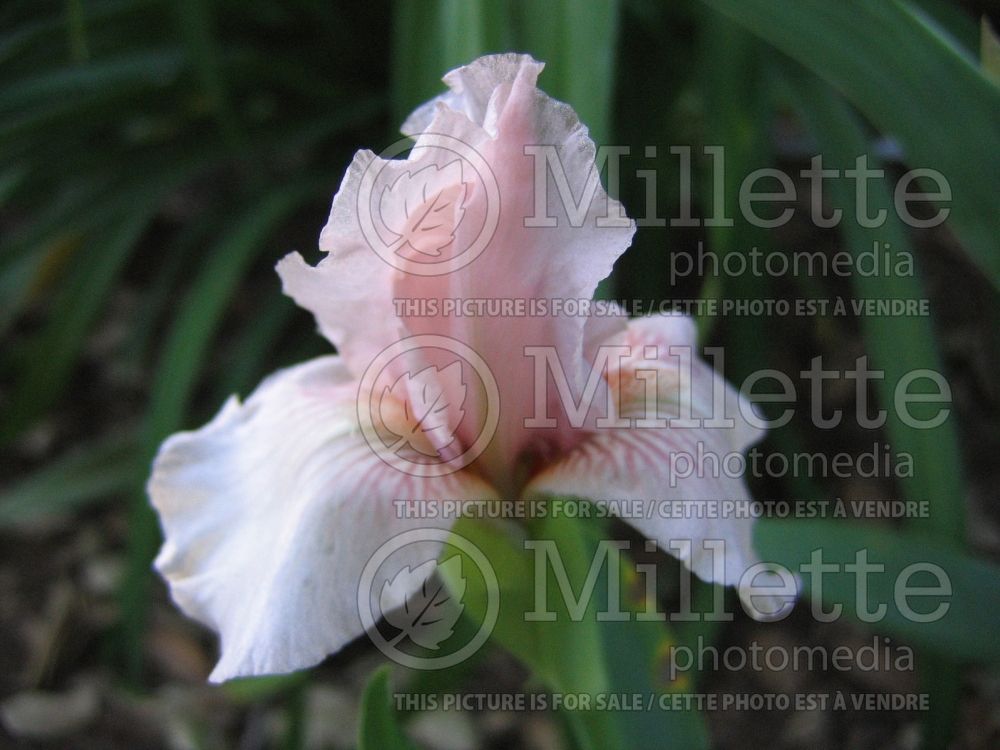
x,y
471,90
270,513
350,291
563,261
387,216
659,465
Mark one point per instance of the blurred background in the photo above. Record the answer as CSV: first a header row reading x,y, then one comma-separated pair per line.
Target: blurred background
x,y
157,158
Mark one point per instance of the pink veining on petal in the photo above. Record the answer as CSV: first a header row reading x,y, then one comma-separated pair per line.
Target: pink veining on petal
x,y
639,462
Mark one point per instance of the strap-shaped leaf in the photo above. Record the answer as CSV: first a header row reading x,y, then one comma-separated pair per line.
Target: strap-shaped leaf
x,y
906,76
966,632
586,655
379,726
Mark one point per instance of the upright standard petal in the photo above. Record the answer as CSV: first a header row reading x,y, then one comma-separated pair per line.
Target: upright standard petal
x,y
388,216
558,235
663,379
270,513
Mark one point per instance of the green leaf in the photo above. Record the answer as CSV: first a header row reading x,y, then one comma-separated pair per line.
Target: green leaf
x,y
104,197
92,275
16,284
430,37
46,30
125,75
585,656
379,726
89,473
897,345
738,115
577,40
200,313
182,253
77,31
197,29
911,82
250,349
989,46
249,690
953,20
967,630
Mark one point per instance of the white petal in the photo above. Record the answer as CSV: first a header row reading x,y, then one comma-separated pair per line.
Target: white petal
x,y
351,291
270,512
351,300
471,90
639,463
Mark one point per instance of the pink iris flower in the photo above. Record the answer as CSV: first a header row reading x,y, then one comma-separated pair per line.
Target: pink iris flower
x,y
271,510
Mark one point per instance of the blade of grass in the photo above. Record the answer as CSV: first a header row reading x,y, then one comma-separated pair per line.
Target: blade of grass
x,y
897,345
577,40
584,656
431,37
379,725
911,82
89,473
196,24
55,352
125,75
965,631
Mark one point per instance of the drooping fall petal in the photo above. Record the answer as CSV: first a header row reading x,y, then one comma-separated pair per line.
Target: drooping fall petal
x,y
660,464
270,512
